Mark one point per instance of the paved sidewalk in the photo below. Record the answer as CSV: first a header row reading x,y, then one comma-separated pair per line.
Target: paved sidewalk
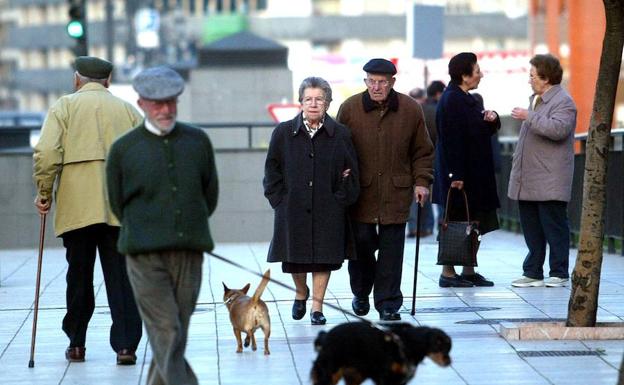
x,y
470,316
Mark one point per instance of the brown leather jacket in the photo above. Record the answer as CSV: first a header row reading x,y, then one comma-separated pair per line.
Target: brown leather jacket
x,y
394,152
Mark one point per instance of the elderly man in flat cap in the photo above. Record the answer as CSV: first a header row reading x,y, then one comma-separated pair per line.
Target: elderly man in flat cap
x,y
75,138
395,156
162,184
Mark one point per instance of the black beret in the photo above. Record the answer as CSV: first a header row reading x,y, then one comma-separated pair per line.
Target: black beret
x,y
93,67
158,83
380,66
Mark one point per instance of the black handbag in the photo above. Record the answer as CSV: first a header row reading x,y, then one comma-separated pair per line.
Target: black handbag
x,y
458,240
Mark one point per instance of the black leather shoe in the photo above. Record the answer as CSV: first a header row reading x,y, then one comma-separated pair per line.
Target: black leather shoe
x,y
389,315
75,354
299,306
455,281
477,279
126,357
317,318
360,305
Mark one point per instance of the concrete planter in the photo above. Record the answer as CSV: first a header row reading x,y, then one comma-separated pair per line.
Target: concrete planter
x,y
558,331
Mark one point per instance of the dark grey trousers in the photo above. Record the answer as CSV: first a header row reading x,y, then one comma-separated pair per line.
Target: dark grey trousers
x,y
381,275
166,286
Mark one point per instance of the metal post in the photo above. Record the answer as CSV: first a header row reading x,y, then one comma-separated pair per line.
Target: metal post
x,y
31,363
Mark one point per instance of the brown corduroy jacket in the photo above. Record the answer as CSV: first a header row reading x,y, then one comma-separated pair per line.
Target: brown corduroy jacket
x,y
394,152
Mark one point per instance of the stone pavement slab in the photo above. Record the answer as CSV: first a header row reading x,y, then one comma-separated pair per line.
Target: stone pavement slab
x,y
471,316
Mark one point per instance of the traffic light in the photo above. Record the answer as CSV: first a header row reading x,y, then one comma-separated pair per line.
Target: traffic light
x,y
77,26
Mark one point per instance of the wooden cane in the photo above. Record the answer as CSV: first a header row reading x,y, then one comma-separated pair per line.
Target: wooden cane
x,y
418,212
31,363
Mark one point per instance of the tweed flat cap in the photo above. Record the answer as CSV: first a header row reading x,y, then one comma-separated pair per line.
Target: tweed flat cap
x,y
158,83
93,67
380,66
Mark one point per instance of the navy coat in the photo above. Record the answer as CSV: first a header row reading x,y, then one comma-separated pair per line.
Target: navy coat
x,y
303,183
464,150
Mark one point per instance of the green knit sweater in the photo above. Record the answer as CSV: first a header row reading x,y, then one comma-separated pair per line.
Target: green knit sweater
x,y
163,189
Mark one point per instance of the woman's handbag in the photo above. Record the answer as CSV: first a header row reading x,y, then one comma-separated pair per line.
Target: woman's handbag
x,y
458,241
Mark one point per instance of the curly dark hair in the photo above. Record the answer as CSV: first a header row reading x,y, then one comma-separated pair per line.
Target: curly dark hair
x,y
548,68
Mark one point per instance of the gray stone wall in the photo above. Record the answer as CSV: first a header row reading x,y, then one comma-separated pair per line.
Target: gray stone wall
x,y
20,223
240,94
243,214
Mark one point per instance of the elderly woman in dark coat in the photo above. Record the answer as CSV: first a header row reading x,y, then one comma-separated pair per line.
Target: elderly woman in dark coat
x,y
464,156
310,178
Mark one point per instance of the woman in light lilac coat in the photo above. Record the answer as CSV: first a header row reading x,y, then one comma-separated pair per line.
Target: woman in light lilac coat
x,y
541,174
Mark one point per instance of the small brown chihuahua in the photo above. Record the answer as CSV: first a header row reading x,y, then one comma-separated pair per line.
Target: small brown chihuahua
x,y
248,314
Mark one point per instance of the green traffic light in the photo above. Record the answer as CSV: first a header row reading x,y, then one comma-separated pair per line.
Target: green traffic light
x,y
75,29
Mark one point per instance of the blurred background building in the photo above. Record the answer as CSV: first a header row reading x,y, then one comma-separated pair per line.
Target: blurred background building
x,y
329,38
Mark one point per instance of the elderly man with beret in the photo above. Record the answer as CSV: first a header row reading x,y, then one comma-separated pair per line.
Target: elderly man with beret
x,y
75,138
162,184
395,156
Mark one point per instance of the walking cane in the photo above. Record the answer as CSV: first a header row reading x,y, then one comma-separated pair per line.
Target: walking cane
x,y
416,259
31,363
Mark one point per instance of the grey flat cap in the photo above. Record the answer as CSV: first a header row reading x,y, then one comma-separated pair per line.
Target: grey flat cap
x,y
380,66
158,83
93,67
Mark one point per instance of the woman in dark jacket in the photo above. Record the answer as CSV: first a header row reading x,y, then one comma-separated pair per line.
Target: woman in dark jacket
x,y
310,178
464,156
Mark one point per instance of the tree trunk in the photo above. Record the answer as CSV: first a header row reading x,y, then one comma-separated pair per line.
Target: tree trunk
x,y
621,376
583,304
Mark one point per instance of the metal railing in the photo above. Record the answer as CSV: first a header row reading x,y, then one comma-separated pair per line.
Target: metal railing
x,y
245,136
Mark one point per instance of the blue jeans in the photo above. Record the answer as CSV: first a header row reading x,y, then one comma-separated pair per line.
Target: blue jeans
x,y
426,222
545,222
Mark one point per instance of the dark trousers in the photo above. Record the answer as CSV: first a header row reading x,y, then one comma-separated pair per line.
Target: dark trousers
x,y
166,285
545,222
81,244
383,275
426,222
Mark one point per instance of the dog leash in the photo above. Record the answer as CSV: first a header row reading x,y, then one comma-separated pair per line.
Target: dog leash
x,y
279,283
385,329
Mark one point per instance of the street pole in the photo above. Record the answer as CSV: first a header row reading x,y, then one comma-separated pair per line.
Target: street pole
x,y
110,31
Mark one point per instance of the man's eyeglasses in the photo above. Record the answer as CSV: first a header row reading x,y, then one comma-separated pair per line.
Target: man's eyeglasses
x,y
310,101
380,83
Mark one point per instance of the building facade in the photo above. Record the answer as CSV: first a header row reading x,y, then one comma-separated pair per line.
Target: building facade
x,y
36,53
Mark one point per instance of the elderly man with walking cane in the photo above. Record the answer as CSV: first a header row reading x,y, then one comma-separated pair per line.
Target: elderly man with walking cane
x,y
395,156
75,138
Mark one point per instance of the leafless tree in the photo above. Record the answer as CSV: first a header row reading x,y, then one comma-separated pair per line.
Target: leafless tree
x,y
583,304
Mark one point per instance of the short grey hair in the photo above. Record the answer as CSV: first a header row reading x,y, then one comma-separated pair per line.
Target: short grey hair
x,y
85,79
315,82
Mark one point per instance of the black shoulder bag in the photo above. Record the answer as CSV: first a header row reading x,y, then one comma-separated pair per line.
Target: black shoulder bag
x,y
458,240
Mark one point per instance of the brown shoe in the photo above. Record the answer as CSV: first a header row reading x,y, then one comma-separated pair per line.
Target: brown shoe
x,y
75,354
126,357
